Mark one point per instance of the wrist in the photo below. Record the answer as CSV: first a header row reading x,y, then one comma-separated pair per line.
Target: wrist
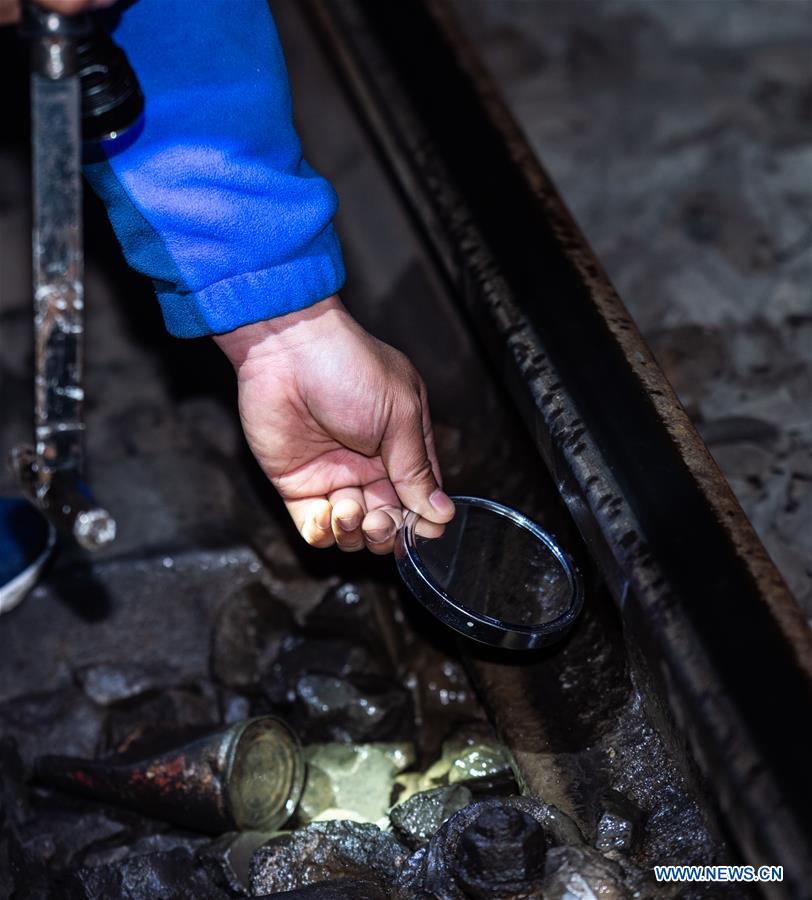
x,y
281,335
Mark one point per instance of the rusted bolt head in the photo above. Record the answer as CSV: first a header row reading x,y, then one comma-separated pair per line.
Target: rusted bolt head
x,y
501,852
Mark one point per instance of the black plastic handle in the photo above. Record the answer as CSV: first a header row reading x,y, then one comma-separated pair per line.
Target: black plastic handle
x,y
63,46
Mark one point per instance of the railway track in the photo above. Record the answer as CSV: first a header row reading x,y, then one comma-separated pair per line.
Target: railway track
x,y
714,635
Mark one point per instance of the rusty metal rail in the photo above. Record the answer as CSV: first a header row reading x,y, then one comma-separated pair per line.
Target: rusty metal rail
x,y
725,649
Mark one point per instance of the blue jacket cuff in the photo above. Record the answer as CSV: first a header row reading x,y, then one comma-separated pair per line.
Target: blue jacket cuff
x,y
256,296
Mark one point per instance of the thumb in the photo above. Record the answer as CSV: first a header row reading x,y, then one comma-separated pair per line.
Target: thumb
x,y
405,456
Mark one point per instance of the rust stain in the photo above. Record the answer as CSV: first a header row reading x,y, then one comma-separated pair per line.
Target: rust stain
x,y
169,774
82,778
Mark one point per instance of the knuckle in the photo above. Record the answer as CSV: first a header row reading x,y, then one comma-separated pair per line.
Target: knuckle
x,y
400,359
404,371
408,406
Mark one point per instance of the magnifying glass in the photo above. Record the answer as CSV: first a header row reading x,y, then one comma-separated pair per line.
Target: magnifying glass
x,y
491,574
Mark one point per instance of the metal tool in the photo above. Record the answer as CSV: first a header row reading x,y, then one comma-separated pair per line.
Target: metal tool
x,y
75,66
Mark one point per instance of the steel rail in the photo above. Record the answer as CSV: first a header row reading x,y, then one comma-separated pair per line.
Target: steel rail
x,y
726,649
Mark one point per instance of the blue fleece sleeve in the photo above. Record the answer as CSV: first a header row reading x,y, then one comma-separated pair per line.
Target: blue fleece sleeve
x,y
211,198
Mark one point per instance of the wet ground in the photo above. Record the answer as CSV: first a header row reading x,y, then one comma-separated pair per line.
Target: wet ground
x,y
680,135
209,609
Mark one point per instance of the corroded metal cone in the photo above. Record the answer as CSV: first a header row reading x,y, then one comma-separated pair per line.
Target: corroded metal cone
x,y
248,776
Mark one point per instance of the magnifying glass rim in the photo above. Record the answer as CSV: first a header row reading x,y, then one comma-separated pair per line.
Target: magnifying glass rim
x,y
480,626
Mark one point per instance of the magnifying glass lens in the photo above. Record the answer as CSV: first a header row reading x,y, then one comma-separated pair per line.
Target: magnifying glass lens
x,y
490,573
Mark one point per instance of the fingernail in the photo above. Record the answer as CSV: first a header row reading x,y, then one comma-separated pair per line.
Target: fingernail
x,y
442,503
322,518
349,524
378,535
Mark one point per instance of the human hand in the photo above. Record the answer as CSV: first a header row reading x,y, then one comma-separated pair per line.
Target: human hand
x,y
339,422
10,9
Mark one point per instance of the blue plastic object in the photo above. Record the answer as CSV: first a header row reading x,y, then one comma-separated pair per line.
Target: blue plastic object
x,y
26,541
